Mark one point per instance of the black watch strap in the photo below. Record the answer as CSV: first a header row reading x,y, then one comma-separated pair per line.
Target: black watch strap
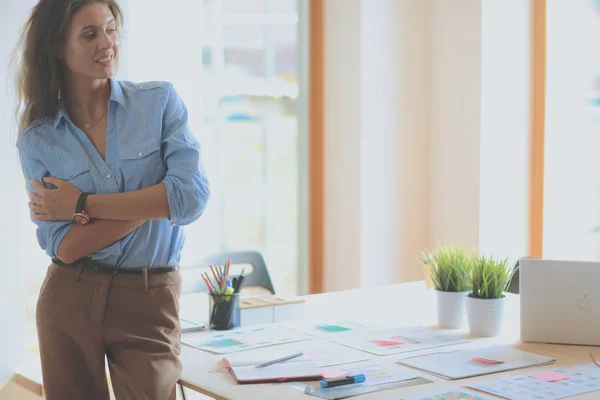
x,y
81,202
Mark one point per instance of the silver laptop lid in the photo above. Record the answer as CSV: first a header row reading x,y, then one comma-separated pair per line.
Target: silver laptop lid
x,y
560,301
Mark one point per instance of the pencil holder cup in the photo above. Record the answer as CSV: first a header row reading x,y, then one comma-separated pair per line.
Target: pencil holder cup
x,y
224,311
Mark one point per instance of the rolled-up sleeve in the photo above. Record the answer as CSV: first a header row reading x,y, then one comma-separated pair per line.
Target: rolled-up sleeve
x,y
186,182
49,233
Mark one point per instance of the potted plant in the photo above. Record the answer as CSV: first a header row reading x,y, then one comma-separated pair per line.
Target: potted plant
x,y
449,269
490,278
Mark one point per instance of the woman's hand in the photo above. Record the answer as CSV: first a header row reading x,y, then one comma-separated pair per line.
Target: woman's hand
x,y
53,204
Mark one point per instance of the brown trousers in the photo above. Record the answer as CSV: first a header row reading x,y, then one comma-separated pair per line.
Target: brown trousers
x,y
133,320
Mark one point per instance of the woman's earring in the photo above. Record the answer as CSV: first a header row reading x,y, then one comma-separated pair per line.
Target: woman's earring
x,y
59,55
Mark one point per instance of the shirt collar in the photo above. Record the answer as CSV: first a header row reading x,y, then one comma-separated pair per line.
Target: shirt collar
x,y
60,113
116,94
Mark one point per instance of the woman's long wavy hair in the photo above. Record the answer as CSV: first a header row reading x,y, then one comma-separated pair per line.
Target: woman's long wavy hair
x,y
40,76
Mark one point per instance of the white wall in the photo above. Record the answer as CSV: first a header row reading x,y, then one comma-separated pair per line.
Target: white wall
x,y
456,80
426,126
394,163
13,200
414,156
376,141
342,144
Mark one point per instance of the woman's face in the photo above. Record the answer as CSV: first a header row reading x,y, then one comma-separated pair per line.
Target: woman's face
x,y
91,46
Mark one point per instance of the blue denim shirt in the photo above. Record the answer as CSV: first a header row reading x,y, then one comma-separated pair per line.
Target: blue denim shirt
x,y
147,142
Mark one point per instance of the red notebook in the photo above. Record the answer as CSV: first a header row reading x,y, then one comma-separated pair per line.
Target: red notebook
x,y
288,371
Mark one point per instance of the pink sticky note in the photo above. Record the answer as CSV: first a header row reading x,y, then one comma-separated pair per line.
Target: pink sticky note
x,y
388,343
486,360
551,376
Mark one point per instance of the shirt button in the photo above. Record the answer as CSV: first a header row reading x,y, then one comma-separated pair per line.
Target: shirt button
x,y
108,176
140,154
70,175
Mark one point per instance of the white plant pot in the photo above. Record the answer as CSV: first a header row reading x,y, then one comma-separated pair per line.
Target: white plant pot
x,y
485,316
451,309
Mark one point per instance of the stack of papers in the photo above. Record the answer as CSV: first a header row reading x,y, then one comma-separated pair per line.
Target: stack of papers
x,y
382,342
590,368
241,339
447,393
328,329
461,364
542,385
321,352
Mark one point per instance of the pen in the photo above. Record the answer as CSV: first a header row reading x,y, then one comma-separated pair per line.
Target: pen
x,y
279,360
350,379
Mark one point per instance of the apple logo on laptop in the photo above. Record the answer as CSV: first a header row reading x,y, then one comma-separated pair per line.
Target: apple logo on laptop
x,y
584,303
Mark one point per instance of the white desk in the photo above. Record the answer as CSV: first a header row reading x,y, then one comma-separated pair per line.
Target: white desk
x,y
409,304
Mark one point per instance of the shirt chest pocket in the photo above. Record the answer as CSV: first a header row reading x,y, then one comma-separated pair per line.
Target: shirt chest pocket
x,y
75,172
142,165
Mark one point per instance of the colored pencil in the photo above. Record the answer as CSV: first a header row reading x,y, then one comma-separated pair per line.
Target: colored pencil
x,y
207,284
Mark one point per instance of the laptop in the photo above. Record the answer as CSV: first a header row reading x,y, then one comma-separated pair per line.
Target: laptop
x,y
560,301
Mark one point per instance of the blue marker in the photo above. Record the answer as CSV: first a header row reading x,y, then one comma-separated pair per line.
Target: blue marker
x,y
348,380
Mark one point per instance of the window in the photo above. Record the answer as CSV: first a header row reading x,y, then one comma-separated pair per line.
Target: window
x,y
571,177
235,64
250,89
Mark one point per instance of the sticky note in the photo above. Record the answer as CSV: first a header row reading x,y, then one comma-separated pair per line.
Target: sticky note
x,y
551,376
486,361
490,360
333,328
388,343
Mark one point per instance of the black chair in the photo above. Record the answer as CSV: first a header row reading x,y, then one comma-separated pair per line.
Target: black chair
x,y
513,287
258,276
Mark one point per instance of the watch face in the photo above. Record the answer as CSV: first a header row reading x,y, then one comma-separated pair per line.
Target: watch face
x,y
80,219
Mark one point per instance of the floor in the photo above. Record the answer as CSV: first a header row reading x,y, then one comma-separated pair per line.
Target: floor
x,y
191,395
12,391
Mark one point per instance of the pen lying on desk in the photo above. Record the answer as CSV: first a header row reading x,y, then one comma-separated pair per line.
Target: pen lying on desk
x,y
282,359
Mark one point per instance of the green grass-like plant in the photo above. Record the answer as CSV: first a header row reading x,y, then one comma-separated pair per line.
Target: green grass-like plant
x,y
490,277
450,267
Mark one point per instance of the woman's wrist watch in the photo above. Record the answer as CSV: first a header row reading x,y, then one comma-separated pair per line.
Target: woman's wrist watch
x,y
80,216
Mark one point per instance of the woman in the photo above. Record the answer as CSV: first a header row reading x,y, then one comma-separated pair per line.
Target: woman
x,y
113,174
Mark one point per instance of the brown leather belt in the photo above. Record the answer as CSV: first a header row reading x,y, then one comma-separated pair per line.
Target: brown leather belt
x,y
91,265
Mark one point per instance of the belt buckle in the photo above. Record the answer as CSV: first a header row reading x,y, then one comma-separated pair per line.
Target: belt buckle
x,y
104,269
109,270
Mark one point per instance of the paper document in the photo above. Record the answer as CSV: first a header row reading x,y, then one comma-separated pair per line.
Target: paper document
x,y
447,393
461,364
321,352
326,353
327,329
240,339
375,373
382,342
378,377
590,368
542,385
